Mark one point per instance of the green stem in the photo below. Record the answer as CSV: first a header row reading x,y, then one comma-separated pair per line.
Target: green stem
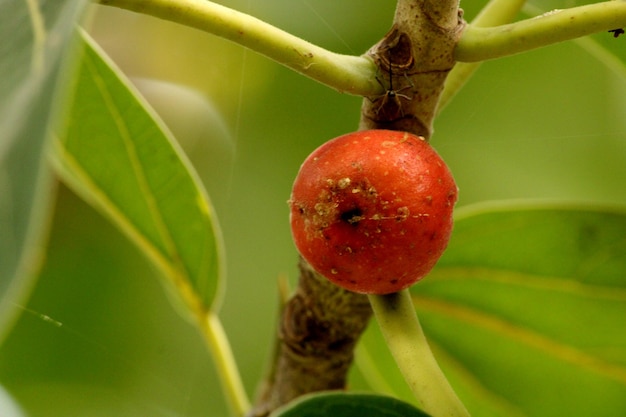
x,y
345,73
403,333
480,43
357,74
217,342
496,12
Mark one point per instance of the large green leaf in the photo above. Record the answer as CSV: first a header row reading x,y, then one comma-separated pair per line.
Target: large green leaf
x,y
116,155
35,37
347,405
526,312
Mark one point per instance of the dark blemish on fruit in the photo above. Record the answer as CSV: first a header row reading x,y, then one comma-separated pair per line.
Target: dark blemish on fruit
x,y
352,216
617,32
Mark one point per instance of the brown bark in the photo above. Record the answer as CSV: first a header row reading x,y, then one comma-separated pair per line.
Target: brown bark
x,y
319,328
414,59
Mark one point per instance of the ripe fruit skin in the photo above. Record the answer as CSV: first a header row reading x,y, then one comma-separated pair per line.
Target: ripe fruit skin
x,y
372,210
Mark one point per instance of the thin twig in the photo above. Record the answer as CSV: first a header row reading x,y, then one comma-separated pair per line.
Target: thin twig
x,y
480,43
345,73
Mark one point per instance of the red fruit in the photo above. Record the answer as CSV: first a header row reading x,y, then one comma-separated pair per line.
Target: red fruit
x,y
372,210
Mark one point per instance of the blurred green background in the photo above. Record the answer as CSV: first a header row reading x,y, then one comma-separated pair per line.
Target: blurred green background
x,y
98,336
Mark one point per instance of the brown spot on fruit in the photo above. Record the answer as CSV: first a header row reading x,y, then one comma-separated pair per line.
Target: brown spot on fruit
x,y
352,216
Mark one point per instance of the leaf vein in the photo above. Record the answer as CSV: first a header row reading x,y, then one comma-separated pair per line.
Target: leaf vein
x,y
524,336
147,192
534,281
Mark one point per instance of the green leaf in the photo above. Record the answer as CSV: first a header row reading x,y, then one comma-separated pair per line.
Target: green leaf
x,y
347,405
35,38
115,153
525,311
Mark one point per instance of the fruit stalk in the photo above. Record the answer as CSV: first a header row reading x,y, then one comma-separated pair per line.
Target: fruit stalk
x,y
406,341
